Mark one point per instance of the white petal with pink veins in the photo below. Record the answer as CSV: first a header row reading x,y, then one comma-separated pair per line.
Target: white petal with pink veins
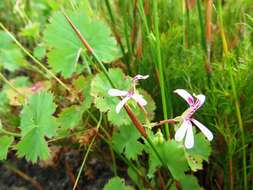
x,y
121,104
180,133
203,129
116,92
185,95
139,98
189,139
139,77
200,100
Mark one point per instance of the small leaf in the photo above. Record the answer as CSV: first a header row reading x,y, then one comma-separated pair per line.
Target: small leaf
x,y
5,143
37,123
70,117
66,47
188,182
201,147
116,183
172,155
126,141
33,146
11,57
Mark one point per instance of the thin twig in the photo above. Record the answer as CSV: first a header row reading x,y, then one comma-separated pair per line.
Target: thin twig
x,y
34,182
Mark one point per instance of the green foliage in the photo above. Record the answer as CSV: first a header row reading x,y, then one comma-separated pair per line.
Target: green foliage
x,y
5,143
116,184
11,57
70,117
37,123
172,155
188,182
126,141
67,48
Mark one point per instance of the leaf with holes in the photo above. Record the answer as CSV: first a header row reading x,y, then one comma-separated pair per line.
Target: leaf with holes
x,y
66,48
200,152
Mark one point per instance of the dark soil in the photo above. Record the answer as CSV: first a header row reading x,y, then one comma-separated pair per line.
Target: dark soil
x,y
58,176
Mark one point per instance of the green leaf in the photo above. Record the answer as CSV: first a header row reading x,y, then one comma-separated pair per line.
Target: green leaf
x,y
116,183
33,146
200,152
37,123
201,147
39,52
11,57
66,47
70,117
188,182
173,156
126,141
5,143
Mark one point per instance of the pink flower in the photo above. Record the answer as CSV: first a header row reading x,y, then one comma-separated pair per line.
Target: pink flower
x,y
129,94
185,130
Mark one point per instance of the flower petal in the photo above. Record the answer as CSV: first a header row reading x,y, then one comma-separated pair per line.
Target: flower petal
x,y
189,139
180,133
121,104
139,98
185,95
200,101
204,129
116,92
139,77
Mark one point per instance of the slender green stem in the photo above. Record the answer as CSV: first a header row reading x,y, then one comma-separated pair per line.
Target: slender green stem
x,y
87,153
114,165
10,133
12,87
34,59
161,70
202,27
223,37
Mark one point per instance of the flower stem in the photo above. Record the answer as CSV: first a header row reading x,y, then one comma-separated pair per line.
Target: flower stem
x,y
10,133
161,69
86,154
11,85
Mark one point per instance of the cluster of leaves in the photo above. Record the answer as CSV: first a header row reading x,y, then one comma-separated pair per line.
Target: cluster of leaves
x,y
47,114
